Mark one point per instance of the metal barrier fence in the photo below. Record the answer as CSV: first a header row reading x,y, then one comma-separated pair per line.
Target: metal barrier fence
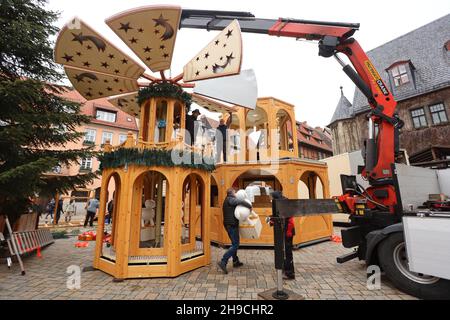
x,y
20,243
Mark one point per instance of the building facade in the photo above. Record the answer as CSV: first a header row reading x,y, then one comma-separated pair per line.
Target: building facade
x,y
313,143
108,124
416,68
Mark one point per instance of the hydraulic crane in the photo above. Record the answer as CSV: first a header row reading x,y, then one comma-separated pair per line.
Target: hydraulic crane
x,y
375,212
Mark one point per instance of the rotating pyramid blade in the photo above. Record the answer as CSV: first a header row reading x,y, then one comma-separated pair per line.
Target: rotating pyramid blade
x,y
92,85
211,105
221,57
150,32
127,103
80,46
240,89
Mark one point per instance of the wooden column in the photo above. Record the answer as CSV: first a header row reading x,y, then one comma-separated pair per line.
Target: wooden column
x,y
101,218
151,120
124,224
159,210
169,121
192,208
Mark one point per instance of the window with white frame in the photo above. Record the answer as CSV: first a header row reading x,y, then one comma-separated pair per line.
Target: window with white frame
x,y
418,117
86,164
438,114
400,74
89,135
104,115
107,136
122,138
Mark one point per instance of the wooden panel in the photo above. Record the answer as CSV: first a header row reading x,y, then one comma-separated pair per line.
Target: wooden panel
x,y
221,57
26,222
150,32
313,228
106,266
212,105
93,85
80,46
127,103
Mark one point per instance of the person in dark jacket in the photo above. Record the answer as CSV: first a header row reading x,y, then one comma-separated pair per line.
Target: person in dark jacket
x,y
231,224
59,210
221,138
289,233
191,127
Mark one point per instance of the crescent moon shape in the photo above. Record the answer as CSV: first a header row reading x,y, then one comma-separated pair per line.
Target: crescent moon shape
x,y
168,29
80,77
99,43
121,101
218,68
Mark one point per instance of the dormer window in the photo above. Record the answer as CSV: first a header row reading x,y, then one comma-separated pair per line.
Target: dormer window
x,y
104,115
400,74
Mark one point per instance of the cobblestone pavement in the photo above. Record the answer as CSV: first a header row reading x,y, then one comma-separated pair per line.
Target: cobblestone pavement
x,y
318,277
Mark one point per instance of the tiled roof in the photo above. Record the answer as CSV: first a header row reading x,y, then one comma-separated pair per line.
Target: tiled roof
x,y
315,135
425,49
89,108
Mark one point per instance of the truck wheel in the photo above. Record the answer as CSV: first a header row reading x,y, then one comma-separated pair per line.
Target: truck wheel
x,y
394,262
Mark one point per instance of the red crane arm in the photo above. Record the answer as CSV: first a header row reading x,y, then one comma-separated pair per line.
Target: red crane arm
x,y
334,38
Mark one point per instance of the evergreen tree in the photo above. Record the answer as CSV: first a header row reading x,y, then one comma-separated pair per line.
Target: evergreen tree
x,y
35,121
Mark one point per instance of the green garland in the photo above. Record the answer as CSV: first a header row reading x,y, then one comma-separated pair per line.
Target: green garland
x,y
164,90
154,157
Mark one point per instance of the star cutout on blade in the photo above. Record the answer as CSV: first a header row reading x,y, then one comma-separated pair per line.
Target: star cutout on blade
x,y
105,81
78,37
206,67
133,40
197,73
86,64
111,56
147,49
125,27
117,71
198,58
148,59
79,54
165,55
105,65
124,61
217,42
206,55
224,45
229,33
88,47
116,80
160,21
100,93
140,30
67,57
162,47
109,89
88,94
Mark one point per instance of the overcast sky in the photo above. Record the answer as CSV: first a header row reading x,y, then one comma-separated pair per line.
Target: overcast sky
x,y
285,68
